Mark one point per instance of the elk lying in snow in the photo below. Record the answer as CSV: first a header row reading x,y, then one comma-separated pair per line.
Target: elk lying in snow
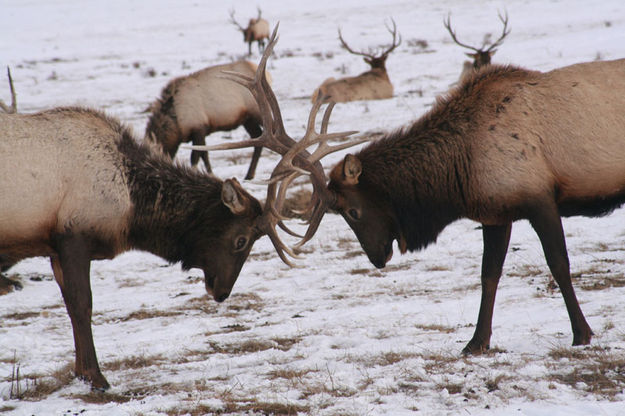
x,y
257,30
482,55
126,196
371,85
196,105
506,144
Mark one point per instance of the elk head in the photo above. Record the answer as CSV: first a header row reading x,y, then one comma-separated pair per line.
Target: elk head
x,y
13,108
375,59
481,56
229,247
296,159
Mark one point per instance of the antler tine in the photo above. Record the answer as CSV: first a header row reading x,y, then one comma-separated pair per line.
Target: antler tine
x,y
447,24
13,108
280,247
394,33
234,21
349,49
505,31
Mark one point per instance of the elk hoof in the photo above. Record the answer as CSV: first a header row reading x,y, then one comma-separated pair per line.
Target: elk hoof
x,y
8,285
98,383
475,348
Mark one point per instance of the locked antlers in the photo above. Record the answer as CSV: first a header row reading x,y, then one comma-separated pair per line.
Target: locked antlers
x,y
296,159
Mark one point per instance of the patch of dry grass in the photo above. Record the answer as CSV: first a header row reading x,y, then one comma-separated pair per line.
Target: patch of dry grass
x,y
438,328
254,345
38,387
134,362
592,370
240,407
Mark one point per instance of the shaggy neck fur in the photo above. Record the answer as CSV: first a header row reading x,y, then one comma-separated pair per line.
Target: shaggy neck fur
x,y
423,169
175,207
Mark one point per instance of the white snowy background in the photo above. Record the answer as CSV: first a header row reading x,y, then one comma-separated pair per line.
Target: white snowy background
x,y
333,336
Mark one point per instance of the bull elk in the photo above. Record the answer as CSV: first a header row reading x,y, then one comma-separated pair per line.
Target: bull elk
x,y
481,56
370,85
257,30
506,144
194,106
126,195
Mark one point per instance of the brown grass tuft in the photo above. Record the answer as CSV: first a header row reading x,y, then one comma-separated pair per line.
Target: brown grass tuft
x,y
592,370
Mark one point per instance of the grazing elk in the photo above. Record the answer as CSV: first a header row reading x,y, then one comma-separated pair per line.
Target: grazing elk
x,y
257,30
125,195
482,55
370,85
506,144
194,106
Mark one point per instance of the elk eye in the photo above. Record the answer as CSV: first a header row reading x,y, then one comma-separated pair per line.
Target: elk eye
x,y
354,214
240,243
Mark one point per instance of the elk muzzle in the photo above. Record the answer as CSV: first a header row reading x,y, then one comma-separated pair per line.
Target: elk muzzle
x,y
219,294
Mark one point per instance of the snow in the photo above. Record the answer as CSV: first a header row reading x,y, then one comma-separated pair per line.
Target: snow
x,y
333,336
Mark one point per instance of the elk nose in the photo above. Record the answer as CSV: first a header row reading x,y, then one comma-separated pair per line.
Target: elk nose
x,y
222,297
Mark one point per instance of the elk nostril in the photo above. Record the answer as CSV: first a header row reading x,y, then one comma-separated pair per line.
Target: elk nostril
x,y
222,297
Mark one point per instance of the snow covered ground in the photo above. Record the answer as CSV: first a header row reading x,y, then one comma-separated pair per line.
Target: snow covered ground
x,y
333,336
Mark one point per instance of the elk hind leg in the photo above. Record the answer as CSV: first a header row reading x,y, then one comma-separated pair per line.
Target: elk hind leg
x,y
548,226
7,285
496,239
198,139
253,129
71,271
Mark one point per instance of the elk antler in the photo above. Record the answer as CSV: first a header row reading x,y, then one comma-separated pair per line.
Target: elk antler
x,y
371,54
13,108
295,161
505,32
234,22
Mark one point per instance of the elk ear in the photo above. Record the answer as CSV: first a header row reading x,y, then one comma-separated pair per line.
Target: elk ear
x,y
233,196
352,168
472,55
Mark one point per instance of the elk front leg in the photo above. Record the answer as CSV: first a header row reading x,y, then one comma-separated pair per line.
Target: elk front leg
x,y
548,225
496,239
71,271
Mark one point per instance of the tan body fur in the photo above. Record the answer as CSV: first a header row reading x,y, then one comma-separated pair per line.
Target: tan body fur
x,y
506,144
257,31
370,85
44,201
561,130
194,106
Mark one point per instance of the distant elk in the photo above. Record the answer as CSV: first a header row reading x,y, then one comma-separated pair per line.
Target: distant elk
x,y
257,30
482,55
127,195
194,106
370,85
